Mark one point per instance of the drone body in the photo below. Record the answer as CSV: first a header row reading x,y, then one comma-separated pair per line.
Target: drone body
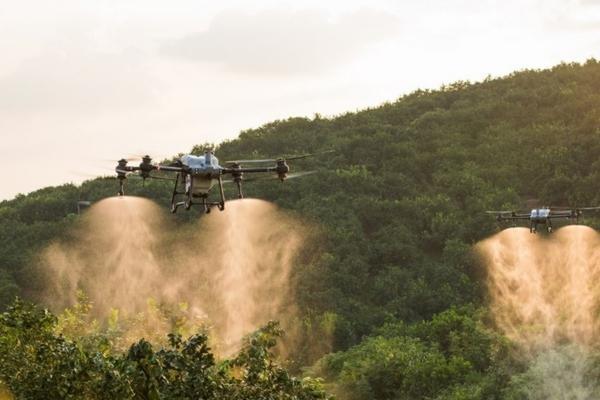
x,y
542,216
197,176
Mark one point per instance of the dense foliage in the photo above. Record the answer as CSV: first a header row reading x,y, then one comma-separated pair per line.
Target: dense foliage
x,y
39,364
400,204
453,356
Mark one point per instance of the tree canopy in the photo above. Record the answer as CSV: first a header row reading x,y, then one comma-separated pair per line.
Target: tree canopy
x,y
399,205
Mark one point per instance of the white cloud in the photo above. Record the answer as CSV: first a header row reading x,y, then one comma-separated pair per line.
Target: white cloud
x,y
284,42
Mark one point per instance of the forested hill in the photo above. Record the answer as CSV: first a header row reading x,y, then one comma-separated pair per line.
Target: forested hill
x,y
401,199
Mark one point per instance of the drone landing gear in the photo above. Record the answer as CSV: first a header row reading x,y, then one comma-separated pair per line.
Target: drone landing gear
x,y
221,204
175,205
238,183
208,205
533,228
189,198
121,191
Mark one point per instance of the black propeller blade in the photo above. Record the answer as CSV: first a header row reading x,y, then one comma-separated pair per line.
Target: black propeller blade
x,y
136,176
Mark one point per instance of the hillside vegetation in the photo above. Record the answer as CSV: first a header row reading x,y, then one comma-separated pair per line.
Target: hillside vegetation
x,y
399,205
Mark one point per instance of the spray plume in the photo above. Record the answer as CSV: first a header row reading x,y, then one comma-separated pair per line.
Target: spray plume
x,y
231,269
559,373
545,290
545,296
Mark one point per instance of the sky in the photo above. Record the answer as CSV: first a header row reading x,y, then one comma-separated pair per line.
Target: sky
x,y
86,82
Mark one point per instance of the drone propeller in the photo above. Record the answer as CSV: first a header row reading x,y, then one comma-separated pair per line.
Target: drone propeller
x,y
269,160
130,158
298,157
141,177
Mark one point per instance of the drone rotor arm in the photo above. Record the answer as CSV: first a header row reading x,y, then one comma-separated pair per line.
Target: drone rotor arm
x,y
164,178
563,214
504,213
513,217
272,177
126,169
248,170
167,168
509,215
268,160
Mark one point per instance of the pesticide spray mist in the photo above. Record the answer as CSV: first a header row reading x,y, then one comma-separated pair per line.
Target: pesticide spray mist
x,y
231,269
545,296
